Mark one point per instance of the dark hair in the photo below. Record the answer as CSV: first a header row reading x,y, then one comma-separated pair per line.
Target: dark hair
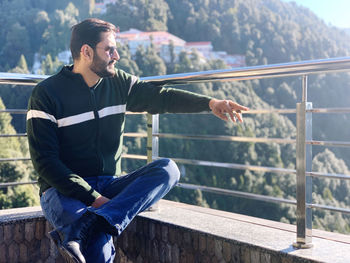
x,y
88,32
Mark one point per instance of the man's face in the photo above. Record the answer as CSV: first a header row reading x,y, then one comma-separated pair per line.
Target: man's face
x,y
105,56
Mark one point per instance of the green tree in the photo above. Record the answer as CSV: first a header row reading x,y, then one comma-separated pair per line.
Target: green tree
x,y
14,172
21,67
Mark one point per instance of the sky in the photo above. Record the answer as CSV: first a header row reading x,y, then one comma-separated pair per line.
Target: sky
x,y
334,12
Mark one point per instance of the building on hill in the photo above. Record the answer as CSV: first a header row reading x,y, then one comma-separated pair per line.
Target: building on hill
x,y
162,41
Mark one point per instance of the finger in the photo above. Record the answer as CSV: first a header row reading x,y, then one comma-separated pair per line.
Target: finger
x,y
220,115
232,116
236,106
239,116
228,110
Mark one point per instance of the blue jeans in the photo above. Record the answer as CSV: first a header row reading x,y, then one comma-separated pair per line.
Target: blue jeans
x,y
129,195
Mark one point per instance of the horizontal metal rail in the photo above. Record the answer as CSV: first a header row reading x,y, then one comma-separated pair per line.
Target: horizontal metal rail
x,y
134,156
218,164
257,72
21,79
13,135
236,193
235,74
223,138
5,185
14,159
243,167
235,166
329,143
330,176
329,110
135,134
251,111
14,111
330,208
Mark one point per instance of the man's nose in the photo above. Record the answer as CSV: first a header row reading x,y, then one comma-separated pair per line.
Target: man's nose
x,y
116,55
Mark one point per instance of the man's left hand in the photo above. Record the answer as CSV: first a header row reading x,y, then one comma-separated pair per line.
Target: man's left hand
x,y
222,107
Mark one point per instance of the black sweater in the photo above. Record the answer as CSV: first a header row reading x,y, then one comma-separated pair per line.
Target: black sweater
x,y
75,131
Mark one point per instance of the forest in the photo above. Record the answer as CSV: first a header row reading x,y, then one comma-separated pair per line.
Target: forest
x,y
265,31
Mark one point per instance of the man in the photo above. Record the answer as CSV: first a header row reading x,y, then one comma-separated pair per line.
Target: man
x,y
75,124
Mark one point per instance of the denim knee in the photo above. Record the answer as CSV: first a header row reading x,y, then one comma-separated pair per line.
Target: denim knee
x,y
172,173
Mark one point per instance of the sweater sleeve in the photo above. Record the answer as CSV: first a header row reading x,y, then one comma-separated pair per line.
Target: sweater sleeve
x,y
145,96
44,149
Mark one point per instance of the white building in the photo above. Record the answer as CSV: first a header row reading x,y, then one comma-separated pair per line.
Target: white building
x,y
162,40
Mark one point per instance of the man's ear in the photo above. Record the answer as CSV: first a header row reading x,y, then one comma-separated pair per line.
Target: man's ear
x,y
86,52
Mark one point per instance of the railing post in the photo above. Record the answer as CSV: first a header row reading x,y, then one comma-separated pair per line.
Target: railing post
x,y
303,165
152,141
152,144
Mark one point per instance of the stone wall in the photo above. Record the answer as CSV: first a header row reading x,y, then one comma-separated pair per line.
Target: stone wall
x,y
25,240
177,233
149,241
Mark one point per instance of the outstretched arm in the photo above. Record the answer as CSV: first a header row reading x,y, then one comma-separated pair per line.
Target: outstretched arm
x,y
222,107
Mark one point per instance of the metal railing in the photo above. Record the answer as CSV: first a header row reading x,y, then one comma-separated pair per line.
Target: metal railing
x,y
304,141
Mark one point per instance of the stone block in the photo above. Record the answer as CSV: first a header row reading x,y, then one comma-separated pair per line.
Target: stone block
x,y
235,253
162,251
13,252
48,227
8,234
187,239
18,233
39,229
175,254
182,255
1,234
245,255
168,256
254,256
195,241
287,260
152,230
265,258
132,226
210,246
190,257
158,229
139,225
45,248
218,249
172,235
148,248
23,253
34,250
29,229
205,259
155,250
165,233
125,241
202,243
275,259
226,251
145,226
3,253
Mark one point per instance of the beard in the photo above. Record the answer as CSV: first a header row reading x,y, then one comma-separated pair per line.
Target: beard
x,y
102,68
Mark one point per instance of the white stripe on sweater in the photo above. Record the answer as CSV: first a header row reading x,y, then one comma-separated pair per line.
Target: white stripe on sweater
x,y
111,110
79,118
40,114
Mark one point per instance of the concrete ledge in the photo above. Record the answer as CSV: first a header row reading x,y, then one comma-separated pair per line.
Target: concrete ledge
x,y
178,232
